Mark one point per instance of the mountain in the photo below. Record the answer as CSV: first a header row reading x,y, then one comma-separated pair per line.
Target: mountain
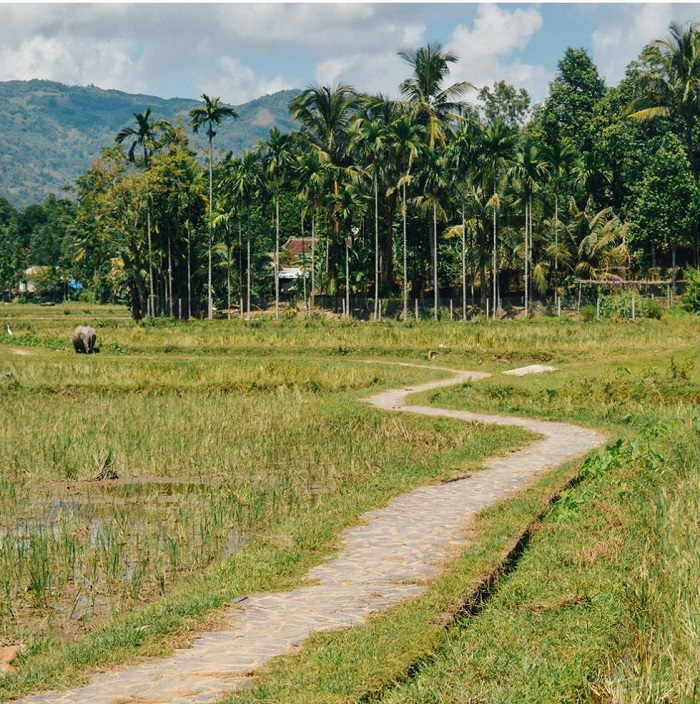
x,y
49,132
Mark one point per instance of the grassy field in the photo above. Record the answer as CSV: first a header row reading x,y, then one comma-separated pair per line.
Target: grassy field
x,y
233,456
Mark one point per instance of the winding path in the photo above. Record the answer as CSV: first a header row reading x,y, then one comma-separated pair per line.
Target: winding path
x,y
390,556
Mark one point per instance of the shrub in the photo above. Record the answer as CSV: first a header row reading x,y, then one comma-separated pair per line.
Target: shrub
x,y
691,296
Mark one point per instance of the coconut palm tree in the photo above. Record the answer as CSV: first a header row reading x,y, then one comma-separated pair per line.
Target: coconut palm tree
x,y
348,208
325,115
432,104
600,241
672,82
210,114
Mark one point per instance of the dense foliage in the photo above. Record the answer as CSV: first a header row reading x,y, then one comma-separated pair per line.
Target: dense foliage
x,y
404,198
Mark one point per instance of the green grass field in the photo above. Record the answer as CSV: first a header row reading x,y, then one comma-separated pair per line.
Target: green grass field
x,y
235,449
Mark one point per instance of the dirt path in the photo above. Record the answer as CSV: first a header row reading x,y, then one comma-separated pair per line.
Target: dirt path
x,y
390,556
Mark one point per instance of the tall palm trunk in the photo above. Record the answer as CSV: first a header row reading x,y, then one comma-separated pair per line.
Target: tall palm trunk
x,y
247,284
210,300
464,266
277,255
189,269
376,245
494,262
150,261
526,253
435,263
313,256
405,256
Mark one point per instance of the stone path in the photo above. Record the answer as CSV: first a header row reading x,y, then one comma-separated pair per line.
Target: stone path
x,y
390,556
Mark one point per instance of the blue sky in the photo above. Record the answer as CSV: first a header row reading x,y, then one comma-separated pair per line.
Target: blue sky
x,y
239,51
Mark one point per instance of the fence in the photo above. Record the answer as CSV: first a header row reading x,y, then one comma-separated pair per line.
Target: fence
x,y
623,299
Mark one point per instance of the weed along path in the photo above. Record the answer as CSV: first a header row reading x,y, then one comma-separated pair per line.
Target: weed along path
x,y
390,556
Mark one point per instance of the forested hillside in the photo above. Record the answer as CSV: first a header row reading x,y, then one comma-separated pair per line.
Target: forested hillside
x,y
50,131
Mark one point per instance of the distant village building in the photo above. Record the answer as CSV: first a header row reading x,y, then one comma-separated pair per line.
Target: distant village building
x,y
295,251
29,285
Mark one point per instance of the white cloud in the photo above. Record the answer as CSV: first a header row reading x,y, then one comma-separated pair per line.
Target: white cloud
x,y
108,64
369,73
236,83
241,50
620,40
485,52
625,30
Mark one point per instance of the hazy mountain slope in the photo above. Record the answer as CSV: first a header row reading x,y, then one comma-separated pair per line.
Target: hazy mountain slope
x,y
49,132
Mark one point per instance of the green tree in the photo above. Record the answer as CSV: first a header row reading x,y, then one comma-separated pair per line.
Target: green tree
x,y
312,173
569,108
495,150
671,86
528,172
277,155
406,139
112,213
431,103
210,114
666,203
244,181
371,138
325,115
505,104
433,177
149,135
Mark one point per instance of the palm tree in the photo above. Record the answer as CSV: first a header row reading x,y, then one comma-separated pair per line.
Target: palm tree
x,y
348,208
406,139
462,155
672,82
277,158
600,241
370,134
325,115
312,173
527,171
210,114
150,135
433,176
672,85
243,180
431,104
226,252
495,149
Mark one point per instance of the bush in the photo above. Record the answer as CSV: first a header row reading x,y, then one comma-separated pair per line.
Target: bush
x,y
588,313
691,296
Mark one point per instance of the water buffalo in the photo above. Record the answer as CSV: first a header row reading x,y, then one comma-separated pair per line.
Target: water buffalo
x,y
83,339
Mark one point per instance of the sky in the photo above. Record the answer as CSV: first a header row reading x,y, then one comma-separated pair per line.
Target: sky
x,y
240,51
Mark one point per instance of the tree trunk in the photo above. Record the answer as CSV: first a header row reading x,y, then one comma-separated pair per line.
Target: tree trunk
x,y
277,256
435,263
405,257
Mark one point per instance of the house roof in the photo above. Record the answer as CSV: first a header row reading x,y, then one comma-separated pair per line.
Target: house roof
x,y
299,245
